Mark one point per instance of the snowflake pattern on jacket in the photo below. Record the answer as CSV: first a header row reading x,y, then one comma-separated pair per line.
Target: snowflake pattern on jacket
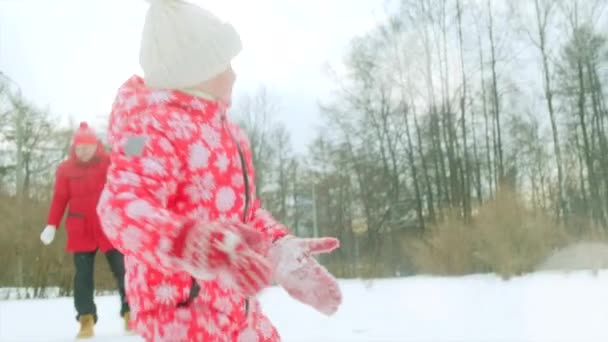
x,y
176,160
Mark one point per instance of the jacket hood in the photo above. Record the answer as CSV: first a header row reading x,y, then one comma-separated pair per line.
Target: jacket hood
x,y
134,98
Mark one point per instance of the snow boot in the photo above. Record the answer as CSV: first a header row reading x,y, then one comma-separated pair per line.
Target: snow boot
x,y
87,322
127,320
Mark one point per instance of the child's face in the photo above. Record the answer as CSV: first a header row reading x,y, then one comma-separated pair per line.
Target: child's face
x,y
221,85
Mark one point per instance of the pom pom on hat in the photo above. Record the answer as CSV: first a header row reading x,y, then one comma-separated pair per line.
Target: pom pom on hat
x,y
84,135
183,45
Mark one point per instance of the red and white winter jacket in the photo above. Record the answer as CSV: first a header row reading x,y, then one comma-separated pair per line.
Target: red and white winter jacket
x,y
176,161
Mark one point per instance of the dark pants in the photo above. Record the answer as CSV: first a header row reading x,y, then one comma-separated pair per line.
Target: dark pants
x,y
84,285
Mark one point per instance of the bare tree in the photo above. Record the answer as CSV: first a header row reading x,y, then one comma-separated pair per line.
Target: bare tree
x,y
495,98
544,12
466,181
255,114
283,150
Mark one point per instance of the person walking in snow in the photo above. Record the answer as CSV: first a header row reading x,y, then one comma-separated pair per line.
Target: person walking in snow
x,y
79,181
180,199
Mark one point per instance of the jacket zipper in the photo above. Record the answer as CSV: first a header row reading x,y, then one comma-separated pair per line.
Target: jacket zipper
x,y
244,169
246,181
195,288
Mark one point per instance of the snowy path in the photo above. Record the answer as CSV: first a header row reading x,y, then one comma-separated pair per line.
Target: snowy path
x,y
541,307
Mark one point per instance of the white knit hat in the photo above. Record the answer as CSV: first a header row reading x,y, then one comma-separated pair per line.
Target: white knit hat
x,y
183,45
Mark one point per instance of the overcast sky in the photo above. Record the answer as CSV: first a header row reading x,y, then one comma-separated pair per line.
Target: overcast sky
x,y
72,55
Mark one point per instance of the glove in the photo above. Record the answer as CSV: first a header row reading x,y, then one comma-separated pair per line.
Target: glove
x,y
302,276
228,249
48,235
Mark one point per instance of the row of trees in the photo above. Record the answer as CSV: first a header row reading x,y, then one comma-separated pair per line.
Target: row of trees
x,y
443,105
443,99
435,110
32,142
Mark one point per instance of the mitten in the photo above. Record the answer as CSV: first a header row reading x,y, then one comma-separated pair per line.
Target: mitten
x,y
226,248
48,234
302,276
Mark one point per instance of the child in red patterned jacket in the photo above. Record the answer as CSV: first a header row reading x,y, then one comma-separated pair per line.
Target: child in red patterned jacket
x,y
180,199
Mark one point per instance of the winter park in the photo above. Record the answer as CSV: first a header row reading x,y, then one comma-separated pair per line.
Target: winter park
x,y
265,171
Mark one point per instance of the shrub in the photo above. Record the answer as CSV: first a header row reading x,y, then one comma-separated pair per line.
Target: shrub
x,y
504,237
26,262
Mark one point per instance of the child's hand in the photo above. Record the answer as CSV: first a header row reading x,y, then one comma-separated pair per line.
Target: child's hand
x,y
229,248
302,276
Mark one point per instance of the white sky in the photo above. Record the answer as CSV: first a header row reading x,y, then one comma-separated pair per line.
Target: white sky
x,y
72,55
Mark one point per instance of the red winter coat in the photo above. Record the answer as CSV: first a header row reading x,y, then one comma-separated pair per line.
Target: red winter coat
x,y
78,187
177,158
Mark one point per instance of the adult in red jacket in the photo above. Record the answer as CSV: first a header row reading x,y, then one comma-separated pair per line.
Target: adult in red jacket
x,y
79,181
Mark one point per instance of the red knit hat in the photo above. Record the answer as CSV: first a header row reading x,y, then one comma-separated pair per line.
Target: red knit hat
x,y
84,135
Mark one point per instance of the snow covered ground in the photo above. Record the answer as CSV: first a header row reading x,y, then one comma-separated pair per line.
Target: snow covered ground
x,y
540,307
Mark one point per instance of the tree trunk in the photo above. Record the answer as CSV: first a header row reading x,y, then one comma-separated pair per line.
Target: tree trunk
x,y
425,171
413,169
296,204
466,185
438,162
484,100
599,113
496,102
541,25
595,200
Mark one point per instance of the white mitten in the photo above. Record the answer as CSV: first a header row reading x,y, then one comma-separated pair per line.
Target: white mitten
x,y
48,235
302,276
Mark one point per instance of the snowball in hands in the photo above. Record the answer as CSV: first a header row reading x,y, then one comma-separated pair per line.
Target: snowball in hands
x,y
302,276
48,235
